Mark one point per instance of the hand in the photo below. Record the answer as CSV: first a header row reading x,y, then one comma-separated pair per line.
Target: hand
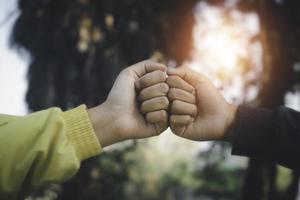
x,y
213,115
153,99
119,118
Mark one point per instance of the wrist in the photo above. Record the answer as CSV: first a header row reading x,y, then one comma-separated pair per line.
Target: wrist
x,y
104,125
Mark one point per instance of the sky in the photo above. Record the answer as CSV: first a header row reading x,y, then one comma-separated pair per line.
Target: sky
x,y
12,67
223,48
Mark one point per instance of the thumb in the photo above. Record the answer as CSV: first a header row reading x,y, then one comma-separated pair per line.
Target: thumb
x,y
189,75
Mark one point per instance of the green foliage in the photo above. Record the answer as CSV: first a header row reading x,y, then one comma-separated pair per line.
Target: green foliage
x,y
284,178
160,173
220,179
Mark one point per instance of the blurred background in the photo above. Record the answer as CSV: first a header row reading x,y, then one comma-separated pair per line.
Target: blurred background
x,y
65,53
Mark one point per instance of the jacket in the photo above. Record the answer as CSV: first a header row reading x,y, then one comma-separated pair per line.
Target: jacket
x,y
43,147
269,134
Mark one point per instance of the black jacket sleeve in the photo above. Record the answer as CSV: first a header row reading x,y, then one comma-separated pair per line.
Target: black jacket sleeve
x,y
270,134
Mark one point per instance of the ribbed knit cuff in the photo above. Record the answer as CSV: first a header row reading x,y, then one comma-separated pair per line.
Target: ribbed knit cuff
x,y
81,133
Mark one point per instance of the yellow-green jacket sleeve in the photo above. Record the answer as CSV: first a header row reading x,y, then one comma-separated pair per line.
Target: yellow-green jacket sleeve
x,y
43,147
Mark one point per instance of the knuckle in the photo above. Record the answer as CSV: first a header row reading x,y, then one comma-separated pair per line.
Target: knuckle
x,y
163,120
163,114
175,107
173,81
192,99
143,107
195,110
143,82
170,80
175,103
164,101
172,94
147,63
188,119
126,71
161,75
148,117
173,119
142,95
176,78
164,87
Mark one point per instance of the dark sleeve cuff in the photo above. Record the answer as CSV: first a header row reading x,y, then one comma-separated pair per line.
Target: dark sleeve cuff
x,y
251,132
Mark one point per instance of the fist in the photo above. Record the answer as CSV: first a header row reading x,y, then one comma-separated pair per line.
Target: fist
x,y
153,100
119,117
205,116
183,109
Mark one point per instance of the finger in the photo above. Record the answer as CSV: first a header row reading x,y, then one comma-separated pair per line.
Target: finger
x,y
178,82
182,95
158,90
158,103
157,117
151,79
183,108
147,66
181,120
187,74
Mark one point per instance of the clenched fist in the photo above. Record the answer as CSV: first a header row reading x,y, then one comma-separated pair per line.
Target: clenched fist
x,y
195,108
213,116
119,117
154,103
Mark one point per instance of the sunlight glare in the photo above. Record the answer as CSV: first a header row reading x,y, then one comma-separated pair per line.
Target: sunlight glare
x,y
227,48
223,40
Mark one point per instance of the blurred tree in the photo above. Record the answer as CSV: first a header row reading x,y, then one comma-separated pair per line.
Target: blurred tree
x,y
77,49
